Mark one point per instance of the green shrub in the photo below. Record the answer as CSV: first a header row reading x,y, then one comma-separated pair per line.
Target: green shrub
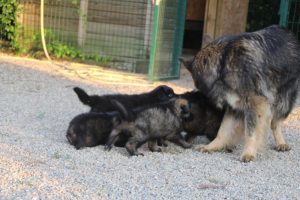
x,y
8,10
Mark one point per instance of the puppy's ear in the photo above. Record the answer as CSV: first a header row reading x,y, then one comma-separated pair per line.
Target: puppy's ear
x,y
83,96
187,63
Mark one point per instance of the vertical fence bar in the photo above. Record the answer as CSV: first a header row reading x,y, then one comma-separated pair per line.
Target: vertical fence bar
x,y
178,37
154,41
283,12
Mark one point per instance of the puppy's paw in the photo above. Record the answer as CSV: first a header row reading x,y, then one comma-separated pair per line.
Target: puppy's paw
x,y
247,158
282,147
187,146
107,147
156,150
138,154
203,148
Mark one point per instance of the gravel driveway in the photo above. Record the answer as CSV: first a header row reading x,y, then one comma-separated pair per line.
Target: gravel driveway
x,y
36,162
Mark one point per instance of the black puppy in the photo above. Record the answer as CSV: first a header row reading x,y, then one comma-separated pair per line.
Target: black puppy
x,y
103,103
205,119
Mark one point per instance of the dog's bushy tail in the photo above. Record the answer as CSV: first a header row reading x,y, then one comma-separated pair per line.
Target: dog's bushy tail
x,y
83,96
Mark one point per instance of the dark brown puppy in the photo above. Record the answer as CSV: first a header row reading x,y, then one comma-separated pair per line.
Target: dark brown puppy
x,y
91,129
161,121
205,119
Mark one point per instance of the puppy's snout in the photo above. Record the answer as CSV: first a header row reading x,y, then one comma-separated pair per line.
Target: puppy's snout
x,y
69,138
185,111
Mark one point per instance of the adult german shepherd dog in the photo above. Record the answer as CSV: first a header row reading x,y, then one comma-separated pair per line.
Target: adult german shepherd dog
x,y
255,77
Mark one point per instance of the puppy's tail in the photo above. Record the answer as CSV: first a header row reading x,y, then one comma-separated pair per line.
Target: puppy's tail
x,y
83,96
125,114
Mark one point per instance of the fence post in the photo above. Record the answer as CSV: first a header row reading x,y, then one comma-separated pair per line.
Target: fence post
x,y
82,26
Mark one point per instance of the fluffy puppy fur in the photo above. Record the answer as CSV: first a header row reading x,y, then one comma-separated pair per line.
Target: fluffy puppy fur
x,y
103,103
91,129
255,77
151,123
205,119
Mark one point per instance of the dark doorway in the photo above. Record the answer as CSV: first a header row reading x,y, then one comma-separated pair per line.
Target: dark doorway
x,y
194,25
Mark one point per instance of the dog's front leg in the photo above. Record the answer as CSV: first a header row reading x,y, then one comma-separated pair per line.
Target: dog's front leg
x,y
228,133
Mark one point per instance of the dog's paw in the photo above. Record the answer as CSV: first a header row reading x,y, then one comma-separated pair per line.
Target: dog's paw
x,y
247,158
282,147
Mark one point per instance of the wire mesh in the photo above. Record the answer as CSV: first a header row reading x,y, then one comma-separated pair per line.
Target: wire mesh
x,y
118,32
293,22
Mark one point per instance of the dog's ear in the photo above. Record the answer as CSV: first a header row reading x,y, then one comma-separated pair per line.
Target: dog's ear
x,y
206,39
83,96
187,63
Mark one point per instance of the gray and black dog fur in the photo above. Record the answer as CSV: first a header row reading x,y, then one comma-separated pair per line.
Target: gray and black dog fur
x,y
151,123
93,128
255,77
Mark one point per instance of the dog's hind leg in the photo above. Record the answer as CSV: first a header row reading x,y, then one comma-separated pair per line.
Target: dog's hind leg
x,y
228,135
279,139
257,122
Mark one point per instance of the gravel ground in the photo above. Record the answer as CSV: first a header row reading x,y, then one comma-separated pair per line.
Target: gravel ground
x,y
36,162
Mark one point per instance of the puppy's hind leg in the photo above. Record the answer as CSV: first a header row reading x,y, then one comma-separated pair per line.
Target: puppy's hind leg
x,y
229,133
153,146
281,145
135,142
114,135
179,141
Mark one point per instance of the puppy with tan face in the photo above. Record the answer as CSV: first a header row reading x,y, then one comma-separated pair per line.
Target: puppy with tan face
x,y
161,121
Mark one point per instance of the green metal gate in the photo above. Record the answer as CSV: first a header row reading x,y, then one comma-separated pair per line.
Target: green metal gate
x,y
290,15
167,38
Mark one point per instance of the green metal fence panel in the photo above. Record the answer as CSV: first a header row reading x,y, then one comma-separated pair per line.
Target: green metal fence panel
x,y
290,15
167,38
